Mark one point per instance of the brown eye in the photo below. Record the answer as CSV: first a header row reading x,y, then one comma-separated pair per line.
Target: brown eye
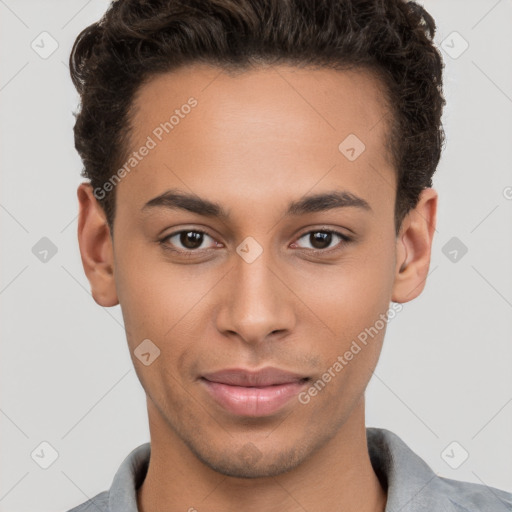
x,y
189,240
322,240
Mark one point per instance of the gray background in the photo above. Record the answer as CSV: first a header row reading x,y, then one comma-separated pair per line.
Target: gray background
x,y
66,375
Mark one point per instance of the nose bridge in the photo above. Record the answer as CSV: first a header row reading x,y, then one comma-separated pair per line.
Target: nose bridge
x,y
257,301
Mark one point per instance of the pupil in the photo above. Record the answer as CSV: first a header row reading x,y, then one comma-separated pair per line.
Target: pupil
x,y
321,240
191,239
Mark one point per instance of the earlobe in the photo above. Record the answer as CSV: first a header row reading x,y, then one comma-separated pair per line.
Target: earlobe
x,y
414,245
96,248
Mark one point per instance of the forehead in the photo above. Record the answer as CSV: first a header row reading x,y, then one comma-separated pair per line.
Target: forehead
x,y
276,125
271,97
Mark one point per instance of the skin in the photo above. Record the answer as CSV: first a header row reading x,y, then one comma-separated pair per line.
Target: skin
x,y
254,143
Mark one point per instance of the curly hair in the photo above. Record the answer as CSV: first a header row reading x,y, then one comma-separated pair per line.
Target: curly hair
x,y
139,39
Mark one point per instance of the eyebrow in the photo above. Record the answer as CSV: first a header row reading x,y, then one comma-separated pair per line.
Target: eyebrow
x,y
175,199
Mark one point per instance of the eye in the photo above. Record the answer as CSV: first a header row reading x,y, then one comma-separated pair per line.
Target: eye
x,y
187,240
321,240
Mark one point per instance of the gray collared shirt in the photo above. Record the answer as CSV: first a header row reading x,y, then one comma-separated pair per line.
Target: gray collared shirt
x,y
411,485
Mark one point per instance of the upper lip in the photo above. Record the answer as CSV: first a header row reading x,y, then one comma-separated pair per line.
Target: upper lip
x,y
268,376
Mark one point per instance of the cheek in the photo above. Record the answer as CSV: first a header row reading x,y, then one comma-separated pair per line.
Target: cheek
x,y
349,296
144,292
158,298
351,300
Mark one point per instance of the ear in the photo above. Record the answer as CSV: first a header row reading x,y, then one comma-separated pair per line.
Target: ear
x,y
96,247
413,249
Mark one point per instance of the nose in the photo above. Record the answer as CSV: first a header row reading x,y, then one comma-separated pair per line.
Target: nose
x,y
256,301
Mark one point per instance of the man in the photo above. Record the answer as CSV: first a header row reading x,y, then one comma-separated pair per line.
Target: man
x,y
259,196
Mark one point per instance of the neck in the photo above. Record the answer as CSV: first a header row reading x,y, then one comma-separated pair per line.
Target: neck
x,y
338,473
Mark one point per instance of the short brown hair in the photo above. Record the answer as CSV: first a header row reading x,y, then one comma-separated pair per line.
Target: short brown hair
x,y
137,39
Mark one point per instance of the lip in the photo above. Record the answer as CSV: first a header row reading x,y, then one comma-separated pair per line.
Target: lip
x,y
253,393
268,376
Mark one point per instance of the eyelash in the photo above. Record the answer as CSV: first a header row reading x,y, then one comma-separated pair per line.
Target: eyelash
x,y
192,252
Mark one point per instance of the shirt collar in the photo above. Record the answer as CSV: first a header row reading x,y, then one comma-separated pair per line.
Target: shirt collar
x,y
129,477
411,485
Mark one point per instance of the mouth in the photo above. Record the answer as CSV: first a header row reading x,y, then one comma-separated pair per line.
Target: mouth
x,y
254,394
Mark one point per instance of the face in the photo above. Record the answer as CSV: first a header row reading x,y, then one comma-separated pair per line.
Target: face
x,y
282,254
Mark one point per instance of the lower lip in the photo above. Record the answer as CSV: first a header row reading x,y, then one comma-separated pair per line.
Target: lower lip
x,y
255,402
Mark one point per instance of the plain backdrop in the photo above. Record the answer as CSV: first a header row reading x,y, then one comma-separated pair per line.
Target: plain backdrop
x,y
66,376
